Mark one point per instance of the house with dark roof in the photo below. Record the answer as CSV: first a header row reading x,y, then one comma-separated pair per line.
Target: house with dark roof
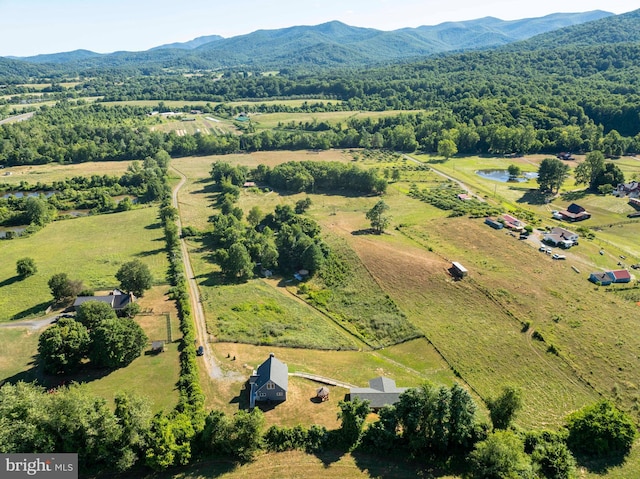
x,y
117,299
269,382
601,278
381,392
561,237
574,212
631,189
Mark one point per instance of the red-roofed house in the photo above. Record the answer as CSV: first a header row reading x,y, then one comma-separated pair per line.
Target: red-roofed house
x,y
620,276
513,223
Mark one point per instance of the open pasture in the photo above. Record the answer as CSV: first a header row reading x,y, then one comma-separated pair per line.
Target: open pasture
x,y
479,324
268,121
90,249
204,124
55,172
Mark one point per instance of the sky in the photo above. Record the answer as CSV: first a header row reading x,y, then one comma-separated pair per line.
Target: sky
x,y
32,27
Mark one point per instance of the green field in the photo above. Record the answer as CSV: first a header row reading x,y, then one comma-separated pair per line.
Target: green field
x,y
47,174
90,249
272,120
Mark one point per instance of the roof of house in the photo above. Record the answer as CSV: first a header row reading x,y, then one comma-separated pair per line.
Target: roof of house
x,y
272,370
381,392
600,277
575,208
562,232
620,274
116,299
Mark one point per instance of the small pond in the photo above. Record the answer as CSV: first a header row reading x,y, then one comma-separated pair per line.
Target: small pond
x,y
16,230
503,175
22,194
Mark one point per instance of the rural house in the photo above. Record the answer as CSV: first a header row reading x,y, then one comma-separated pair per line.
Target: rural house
x,y
561,237
513,223
117,299
632,190
381,392
574,212
608,277
270,382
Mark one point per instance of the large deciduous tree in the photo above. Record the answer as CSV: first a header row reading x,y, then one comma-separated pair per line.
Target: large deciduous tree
x,y
587,171
378,217
135,277
501,455
551,175
63,346
93,313
62,288
447,148
504,408
116,342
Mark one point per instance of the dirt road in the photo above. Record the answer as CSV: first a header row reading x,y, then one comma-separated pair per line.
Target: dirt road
x,y
213,368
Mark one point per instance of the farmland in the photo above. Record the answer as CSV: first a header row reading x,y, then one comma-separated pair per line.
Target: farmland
x,y
79,248
489,310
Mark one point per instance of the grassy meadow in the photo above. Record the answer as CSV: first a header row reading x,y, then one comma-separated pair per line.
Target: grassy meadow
x,y
47,174
90,249
477,325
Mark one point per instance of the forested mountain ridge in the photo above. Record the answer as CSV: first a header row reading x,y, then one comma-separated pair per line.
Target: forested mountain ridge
x,y
330,44
613,29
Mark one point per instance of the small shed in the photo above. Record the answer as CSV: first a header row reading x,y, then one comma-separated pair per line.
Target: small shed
x,y
157,346
458,270
323,393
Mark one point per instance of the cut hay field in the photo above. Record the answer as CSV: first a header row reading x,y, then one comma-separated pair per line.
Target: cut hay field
x,y
204,124
56,172
477,324
89,248
268,121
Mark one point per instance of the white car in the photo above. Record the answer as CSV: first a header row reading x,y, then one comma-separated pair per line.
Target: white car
x,y
559,256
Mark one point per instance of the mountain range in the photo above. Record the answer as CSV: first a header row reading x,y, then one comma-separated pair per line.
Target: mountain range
x,y
329,44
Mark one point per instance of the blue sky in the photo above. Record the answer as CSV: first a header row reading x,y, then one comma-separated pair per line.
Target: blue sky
x,y
30,27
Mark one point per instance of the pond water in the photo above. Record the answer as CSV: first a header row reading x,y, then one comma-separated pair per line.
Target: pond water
x,y
22,194
16,230
503,175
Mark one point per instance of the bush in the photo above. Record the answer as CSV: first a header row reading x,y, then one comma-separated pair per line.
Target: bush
x,y
601,430
26,267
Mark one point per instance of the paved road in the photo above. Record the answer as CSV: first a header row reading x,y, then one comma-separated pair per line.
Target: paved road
x,y
17,118
213,368
32,324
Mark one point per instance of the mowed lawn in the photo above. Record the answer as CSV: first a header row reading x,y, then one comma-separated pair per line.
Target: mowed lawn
x,y
90,249
151,375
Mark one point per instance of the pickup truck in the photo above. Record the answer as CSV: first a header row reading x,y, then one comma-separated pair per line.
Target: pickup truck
x,y
559,256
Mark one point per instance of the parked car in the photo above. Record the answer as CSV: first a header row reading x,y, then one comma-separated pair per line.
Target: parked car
x,y
543,249
549,251
200,351
559,256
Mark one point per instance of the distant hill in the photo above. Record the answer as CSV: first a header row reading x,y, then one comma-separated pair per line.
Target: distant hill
x,y
190,45
623,28
329,44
